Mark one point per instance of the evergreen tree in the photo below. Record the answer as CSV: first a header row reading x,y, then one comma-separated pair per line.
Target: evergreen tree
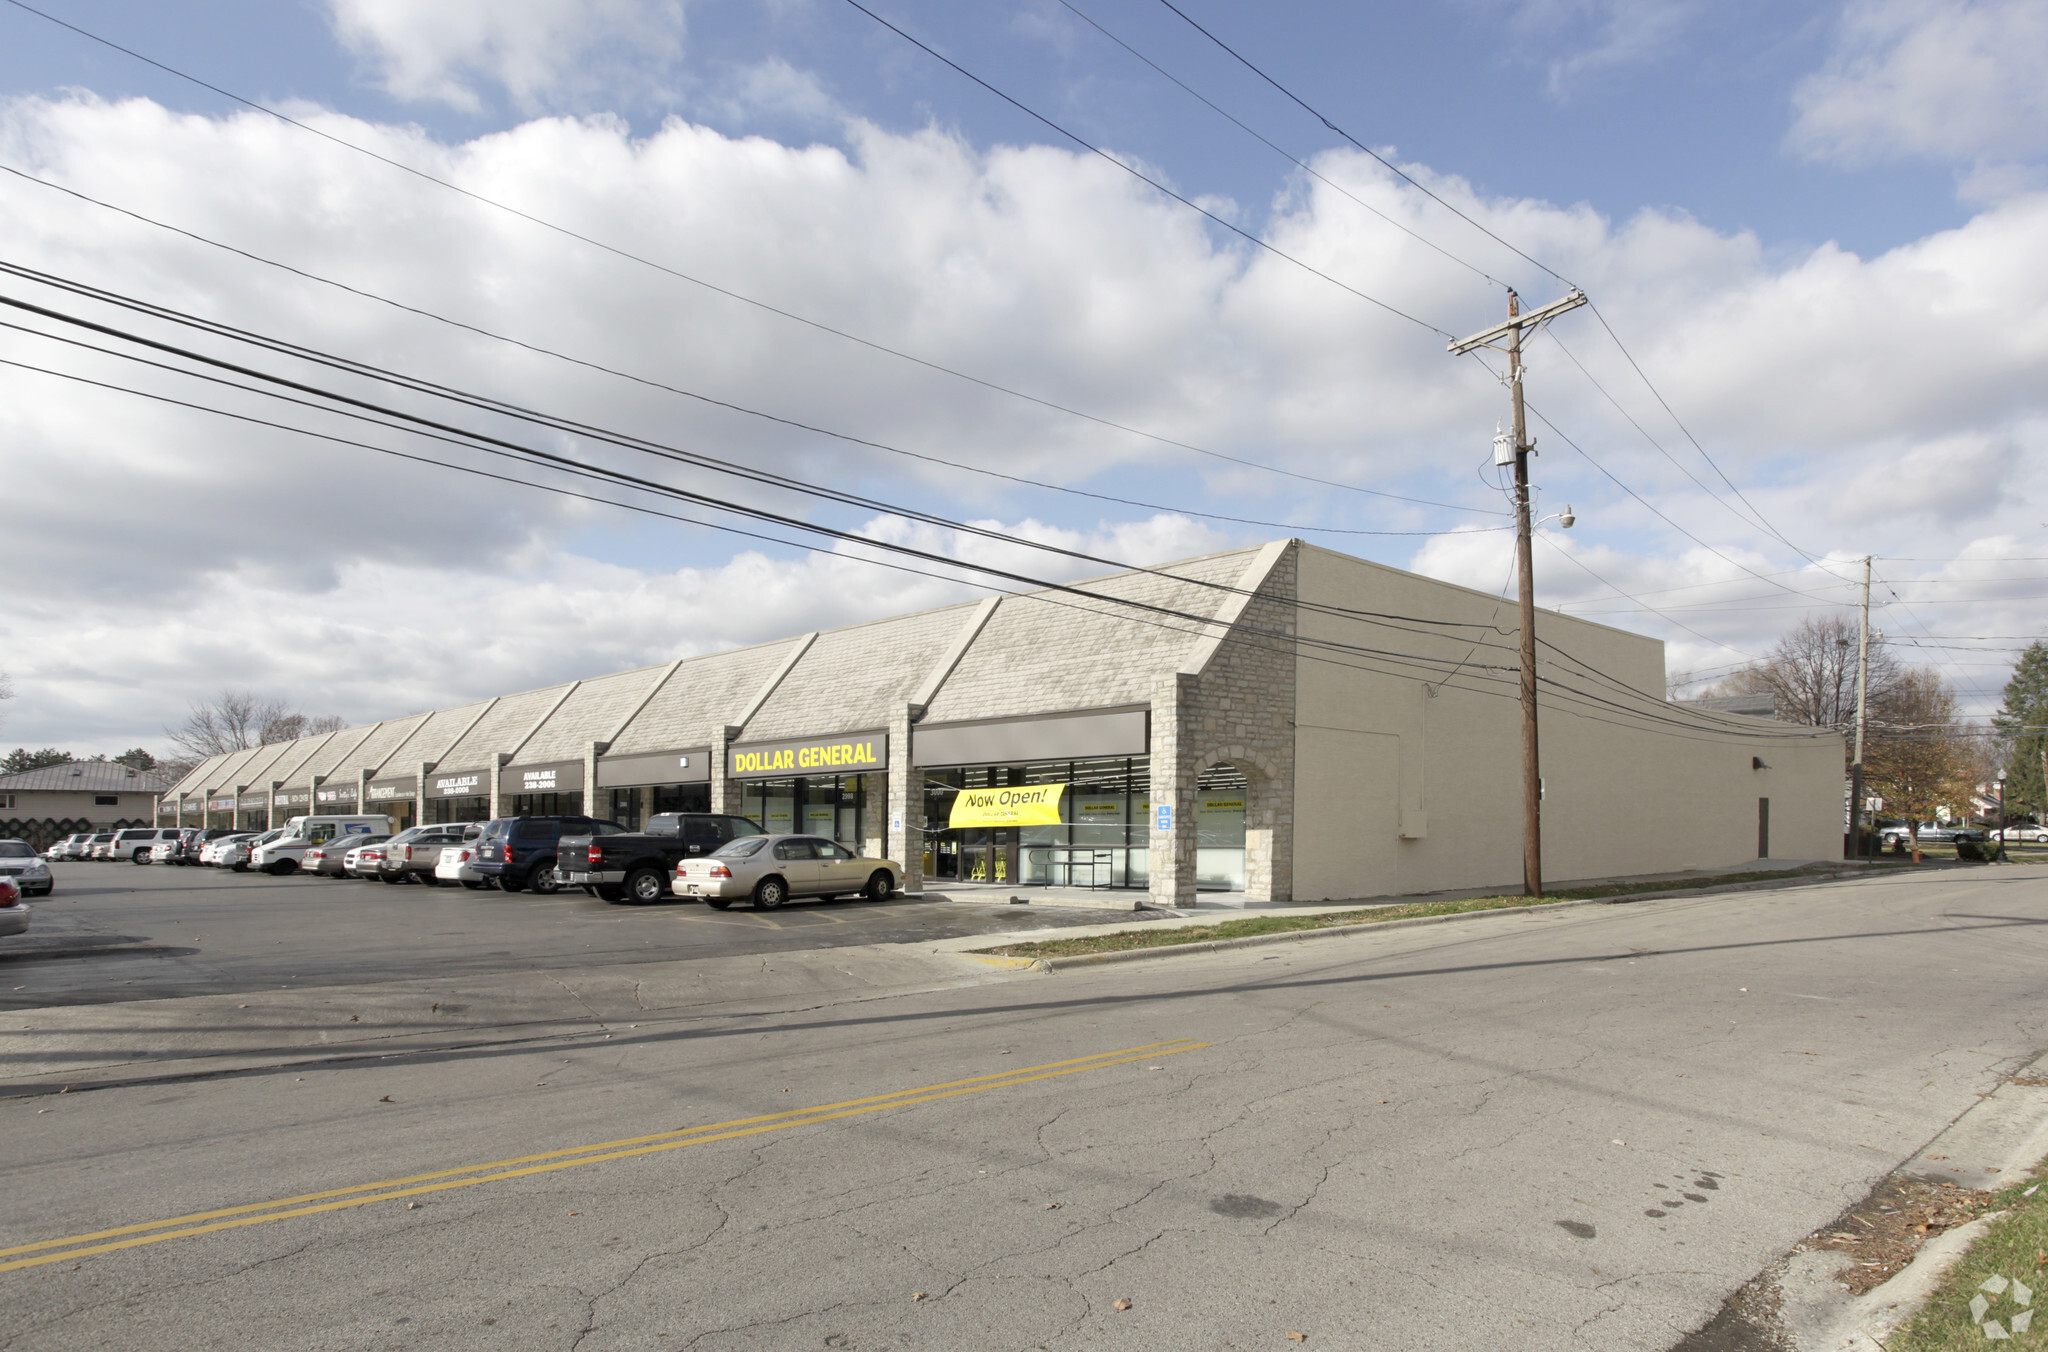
x,y
21,758
2023,729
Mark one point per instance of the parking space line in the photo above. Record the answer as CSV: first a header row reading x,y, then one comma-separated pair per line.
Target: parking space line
x,y
336,1199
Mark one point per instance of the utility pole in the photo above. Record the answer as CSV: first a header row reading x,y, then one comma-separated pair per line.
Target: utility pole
x,y
1521,449
1862,716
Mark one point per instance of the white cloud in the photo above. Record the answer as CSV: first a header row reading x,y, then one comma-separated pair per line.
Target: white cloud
x,y
1889,405
1576,39
540,52
1947,80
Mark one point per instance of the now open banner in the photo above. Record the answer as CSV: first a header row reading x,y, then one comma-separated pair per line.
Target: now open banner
x,y
1028,805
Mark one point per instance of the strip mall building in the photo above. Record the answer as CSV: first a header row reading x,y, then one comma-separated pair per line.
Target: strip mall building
x,y
1270,724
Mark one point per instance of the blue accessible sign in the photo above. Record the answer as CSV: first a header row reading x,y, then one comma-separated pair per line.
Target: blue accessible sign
x,y
1163,819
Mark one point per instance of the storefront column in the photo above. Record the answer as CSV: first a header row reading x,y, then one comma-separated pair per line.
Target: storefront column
x,y
270,812
903,800
595,807
1172,853
725,793
498,762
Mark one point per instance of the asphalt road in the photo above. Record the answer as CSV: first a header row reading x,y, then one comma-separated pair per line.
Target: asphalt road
x,y
1579,1129
116,931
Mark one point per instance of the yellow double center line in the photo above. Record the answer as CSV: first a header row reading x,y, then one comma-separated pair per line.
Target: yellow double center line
x,y
522,1166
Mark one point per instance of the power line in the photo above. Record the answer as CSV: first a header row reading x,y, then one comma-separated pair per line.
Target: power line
x,y
713,287
413,425
1287,155
1140,175
711,400
1242,60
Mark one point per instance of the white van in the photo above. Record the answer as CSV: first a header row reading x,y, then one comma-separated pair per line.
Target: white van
x,y
300,834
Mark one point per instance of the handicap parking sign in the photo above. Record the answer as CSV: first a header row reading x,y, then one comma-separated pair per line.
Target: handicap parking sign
x,y
1164,819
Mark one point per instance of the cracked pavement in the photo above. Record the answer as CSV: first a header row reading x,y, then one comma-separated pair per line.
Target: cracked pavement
x,y
1438,1137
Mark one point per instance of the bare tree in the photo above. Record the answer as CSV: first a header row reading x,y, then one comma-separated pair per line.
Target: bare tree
x,y
1812,672
236,720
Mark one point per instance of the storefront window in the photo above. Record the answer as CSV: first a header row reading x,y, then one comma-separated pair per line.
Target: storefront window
x,y
833,806
441,811
631,808
1220,797
545,805
1100,841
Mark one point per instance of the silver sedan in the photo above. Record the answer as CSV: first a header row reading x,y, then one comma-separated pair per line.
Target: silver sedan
x,y
772,869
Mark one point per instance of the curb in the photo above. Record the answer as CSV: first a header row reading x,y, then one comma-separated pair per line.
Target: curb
x,y
1056,964
1884,1310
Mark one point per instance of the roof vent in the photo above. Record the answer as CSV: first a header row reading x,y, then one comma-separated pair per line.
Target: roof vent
x,y
77,772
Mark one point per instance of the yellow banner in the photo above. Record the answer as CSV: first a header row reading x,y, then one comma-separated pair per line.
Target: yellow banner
x,y
1031,805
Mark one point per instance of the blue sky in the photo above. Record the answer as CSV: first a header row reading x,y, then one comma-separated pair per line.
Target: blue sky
x,y
1814,226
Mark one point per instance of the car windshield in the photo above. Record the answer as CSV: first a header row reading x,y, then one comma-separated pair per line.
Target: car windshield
x,y
410,833
16,849
741,848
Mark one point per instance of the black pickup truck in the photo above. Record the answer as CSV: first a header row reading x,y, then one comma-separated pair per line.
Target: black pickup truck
x,y
637,866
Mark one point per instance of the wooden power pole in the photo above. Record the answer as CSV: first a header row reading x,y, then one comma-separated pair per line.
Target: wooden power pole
x,y
1519,448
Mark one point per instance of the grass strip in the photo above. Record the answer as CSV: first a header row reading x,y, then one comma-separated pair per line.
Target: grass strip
x,y
2015,1248
1153,937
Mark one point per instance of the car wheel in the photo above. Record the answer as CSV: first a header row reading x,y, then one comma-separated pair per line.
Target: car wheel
x,y
879,886
543,879
391,879
718,903
770,893
472,884
238,868
508,883
645,886
140,857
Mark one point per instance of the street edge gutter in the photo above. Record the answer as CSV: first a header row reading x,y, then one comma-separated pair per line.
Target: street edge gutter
x,y
1055,964
1885,1309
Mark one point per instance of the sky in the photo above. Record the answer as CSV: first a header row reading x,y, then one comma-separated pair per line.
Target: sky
x,y
782,237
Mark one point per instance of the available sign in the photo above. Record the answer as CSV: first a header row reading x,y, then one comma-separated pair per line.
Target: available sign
x,y
848,753
561,777
1024,805
470,784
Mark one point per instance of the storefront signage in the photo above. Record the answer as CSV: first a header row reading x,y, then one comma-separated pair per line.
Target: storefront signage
x,y
222,804
466,784
560,777
689,766
288,798
850,753
1023,805
391,790
339,793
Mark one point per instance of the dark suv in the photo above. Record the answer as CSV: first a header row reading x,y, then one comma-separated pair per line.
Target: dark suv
x,y
520,851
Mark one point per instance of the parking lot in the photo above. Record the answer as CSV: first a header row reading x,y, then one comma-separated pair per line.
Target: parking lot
x,y
115,931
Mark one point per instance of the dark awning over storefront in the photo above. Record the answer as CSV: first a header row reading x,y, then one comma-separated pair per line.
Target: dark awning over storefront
x,y
393,790
1010,741
457,784
849,753
689,766
556,777
336,795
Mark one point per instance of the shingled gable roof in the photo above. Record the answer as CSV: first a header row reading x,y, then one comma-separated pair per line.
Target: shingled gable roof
x,y
1049,651
857,678
84,777
591,713
704,693
429,742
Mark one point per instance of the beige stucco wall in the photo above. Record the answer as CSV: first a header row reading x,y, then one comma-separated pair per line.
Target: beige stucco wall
x,y
1376,748
80,806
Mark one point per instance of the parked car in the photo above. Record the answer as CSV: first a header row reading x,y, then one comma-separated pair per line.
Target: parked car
x,y
364,861
214,852
1930,834
185,849
772,869
458,865
72,847
520,851
327,860
412,855
13,910
20,862
2033,834
637,865
282,853
240,849
135,843
98,846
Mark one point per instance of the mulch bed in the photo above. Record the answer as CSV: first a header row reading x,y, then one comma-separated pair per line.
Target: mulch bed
x,y
1883,1232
